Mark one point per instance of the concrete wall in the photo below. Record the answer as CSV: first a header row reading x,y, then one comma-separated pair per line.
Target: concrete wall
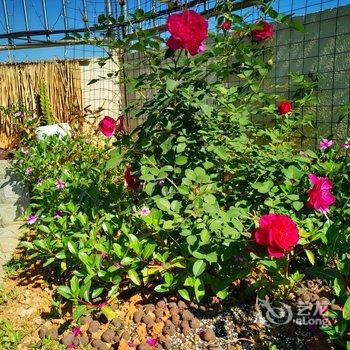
x,y
14,196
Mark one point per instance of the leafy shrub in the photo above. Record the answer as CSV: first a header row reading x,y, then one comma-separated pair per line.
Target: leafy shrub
x,y
215,155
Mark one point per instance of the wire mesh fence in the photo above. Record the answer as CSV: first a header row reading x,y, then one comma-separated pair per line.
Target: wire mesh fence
x,y
322,51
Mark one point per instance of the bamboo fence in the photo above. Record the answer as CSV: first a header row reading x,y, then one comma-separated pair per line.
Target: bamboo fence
x,y
19,84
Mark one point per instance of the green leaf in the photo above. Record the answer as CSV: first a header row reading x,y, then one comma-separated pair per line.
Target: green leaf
x,y
296,25
297,205
64,291
108,312
263,187
199,267
184,294
148,250
207,109
79,311
72,247
162,203
310,255
181,160
199,291
346,309
74,286
171,84
134,277
97,292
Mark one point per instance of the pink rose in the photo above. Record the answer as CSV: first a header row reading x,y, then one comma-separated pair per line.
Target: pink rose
x,y
188,31
320,195
278,232
285,107
264,33
107,126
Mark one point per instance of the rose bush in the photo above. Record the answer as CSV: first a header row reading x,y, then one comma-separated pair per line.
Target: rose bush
x,y
213,176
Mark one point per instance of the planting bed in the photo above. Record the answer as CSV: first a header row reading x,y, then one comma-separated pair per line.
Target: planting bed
x,y
139,319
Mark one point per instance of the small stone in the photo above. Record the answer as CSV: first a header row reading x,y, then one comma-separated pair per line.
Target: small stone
x,y
175,319
138,316
167,345
150,325
94,326
85,320
171,305
305,297
161,304
174,311
108,336
99,344
214,347
195,323
126,335
149,308
83,340
186,315
186,331
193,305
68,339
52,333
169,328
159,313
184,324
42,332
208,335
181,304
150,317
118,323
143,347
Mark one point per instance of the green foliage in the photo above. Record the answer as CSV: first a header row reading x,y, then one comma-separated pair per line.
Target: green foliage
x,y
45,105
212,156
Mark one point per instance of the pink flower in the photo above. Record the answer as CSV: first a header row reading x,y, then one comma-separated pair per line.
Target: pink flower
x,y
145,211
107,126
71,346
225,25
285,107
188,31
28,171
104,255
60,184
131,344
346,145
76,331
18,114
152,341
58,214
130,180
40,182
264,33
324,144
31,219
320,195
278,232
25,150
103,304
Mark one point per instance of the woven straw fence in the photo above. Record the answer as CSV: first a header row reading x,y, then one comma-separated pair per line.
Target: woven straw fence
x,y
19,83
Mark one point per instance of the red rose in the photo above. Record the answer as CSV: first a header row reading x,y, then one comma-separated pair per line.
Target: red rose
x,y
320,195
278,232
120,124
107,126
264,33
131,180
188,30
225,25
285,107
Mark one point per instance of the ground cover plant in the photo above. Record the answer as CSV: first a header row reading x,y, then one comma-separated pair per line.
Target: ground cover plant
x,y
210,190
